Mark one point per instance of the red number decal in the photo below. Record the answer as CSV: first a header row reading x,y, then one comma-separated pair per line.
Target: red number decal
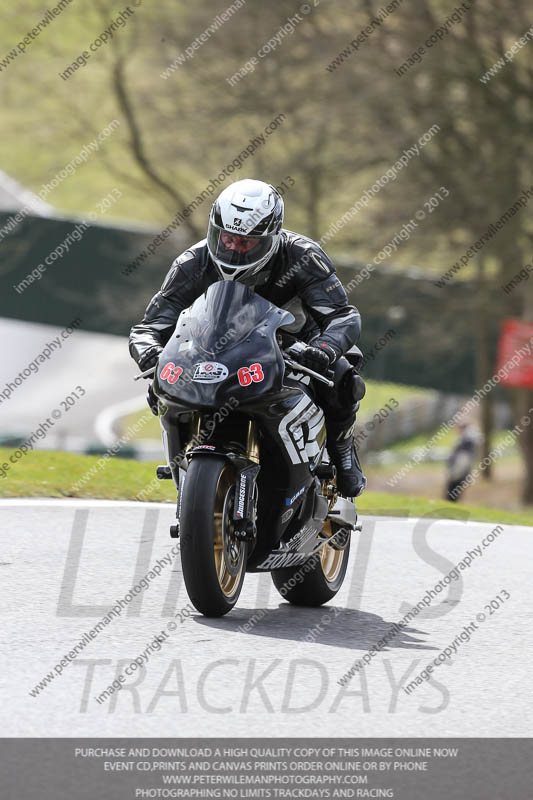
x,y
171,372
248,374
257,372
244,376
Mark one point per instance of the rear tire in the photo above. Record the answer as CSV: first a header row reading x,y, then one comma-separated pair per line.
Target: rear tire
x,y
212,560
321,582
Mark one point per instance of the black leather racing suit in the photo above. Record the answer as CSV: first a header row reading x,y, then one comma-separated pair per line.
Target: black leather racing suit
x,y
300,277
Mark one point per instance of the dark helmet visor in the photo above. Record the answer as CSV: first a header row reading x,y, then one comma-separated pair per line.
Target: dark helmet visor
x,y
235,249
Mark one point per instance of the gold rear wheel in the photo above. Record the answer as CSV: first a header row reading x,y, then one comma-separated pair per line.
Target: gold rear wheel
x,y
331,562
319,579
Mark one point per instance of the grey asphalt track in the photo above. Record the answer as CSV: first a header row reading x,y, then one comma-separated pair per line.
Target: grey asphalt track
x,y
98,362
63,564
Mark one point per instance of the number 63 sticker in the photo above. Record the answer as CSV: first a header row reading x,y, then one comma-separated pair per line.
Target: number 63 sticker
x,y
248,374
171,372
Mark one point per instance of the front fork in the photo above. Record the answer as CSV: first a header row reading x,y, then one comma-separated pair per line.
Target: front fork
x,y
245,461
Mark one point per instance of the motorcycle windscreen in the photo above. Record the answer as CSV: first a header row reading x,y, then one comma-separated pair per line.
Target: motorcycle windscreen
x,y
228,313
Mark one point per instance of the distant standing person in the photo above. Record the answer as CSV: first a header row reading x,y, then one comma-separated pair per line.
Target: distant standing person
x,y
460,462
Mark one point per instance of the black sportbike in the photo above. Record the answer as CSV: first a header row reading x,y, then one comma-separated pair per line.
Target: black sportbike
x,y
245,443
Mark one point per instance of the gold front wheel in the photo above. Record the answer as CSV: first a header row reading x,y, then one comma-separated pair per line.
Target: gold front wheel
x,y
212,559
229,552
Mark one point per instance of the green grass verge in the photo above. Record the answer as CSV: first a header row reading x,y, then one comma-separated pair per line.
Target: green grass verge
x,y
377,394
401,505
56,474
447,442
45,473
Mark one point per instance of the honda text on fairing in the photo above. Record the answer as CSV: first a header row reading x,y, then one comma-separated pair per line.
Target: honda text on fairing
x,y
255,490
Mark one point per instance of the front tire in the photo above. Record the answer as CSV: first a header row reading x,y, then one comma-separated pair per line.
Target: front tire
x,y
319,578
212,559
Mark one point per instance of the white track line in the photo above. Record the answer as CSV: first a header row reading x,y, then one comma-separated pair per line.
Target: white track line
x,y
80,502
77,502
106,419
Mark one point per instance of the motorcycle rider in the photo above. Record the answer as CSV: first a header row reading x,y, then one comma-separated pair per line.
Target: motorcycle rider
x,y
246,242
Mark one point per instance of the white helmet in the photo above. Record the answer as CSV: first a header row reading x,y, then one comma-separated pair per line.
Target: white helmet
x,y
244,228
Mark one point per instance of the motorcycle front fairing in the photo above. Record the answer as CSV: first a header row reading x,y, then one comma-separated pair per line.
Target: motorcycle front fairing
x,y
210,357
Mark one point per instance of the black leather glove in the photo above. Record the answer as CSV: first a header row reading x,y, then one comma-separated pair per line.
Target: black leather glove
x,y
150,359
319,356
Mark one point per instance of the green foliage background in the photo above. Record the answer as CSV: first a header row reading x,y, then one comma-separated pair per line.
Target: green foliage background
x,y
344,128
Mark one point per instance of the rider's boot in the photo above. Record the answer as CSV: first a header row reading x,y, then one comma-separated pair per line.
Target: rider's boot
x,y
341,448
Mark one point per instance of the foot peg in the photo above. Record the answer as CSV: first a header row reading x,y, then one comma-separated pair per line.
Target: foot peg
x,y
174,531
325,472
163,472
